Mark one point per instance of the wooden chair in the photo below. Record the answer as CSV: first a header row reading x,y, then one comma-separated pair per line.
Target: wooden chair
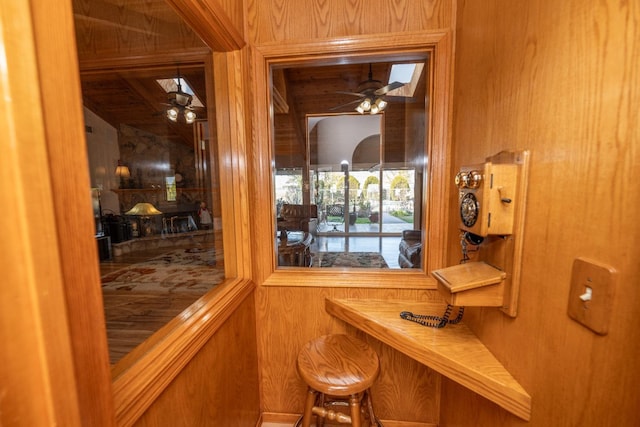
x,y
339,371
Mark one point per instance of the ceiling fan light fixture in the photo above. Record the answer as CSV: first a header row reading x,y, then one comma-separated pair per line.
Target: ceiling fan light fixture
x,y
374,109
366,104
381,104
172,114
359,109
189,116
182,98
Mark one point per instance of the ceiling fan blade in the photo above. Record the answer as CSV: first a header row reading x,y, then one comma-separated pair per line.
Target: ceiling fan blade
x,y
388,88
361,95
344,105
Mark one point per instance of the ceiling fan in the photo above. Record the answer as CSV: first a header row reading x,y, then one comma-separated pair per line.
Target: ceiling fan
x,y
180,102
371,95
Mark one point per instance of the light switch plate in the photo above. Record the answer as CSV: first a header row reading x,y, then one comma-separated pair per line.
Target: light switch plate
x,y
594,313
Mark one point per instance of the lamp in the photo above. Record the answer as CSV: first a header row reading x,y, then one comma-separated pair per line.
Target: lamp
x,y
144,211
123,172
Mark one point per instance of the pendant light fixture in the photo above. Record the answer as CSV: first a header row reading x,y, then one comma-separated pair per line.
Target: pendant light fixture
x,y
180,104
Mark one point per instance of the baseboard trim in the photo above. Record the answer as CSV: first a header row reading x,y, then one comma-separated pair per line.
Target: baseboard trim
x,y
290,419
276,417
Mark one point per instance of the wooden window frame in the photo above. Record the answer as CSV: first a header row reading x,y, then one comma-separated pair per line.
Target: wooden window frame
x,y
438,45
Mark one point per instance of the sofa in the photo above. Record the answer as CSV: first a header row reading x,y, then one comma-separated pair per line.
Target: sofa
x,y
299,218
410,249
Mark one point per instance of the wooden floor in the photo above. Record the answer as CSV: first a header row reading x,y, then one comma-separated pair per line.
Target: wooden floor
x,y
133,317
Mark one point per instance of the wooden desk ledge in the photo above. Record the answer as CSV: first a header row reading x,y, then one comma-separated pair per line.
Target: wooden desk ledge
x,y
453,351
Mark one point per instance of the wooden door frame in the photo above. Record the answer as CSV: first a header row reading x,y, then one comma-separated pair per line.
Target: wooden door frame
x,y
56,358
61,356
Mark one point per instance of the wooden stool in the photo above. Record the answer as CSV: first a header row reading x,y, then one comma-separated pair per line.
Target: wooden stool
x,y
339,370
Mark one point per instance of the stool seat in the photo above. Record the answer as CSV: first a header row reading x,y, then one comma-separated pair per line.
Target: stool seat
x,y
339,366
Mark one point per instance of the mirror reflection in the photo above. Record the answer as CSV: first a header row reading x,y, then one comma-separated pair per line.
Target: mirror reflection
x,y
152,163
350,156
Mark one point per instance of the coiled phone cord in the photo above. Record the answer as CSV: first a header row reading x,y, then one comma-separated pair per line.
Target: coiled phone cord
x,y
434,321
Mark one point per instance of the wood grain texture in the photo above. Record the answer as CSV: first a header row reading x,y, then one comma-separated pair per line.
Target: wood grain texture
x,y
38,368
219,386
405,389
281,20
454,351
289,311
145,373
230,87
326,52
211,22
338,364
567,89
67,166
130,29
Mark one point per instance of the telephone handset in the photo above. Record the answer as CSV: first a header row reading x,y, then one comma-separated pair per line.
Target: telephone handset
x,y
486,192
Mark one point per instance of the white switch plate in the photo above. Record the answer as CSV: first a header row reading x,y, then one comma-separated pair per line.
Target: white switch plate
x,y
595,312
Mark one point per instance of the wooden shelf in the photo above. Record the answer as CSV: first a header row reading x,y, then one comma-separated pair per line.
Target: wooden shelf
x,y
471,284
453,351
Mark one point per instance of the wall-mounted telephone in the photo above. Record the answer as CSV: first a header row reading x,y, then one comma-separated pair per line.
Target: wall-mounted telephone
x,y
486,195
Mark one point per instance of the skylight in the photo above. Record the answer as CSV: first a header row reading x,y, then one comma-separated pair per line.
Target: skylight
x,y
409,74
171,85
401,73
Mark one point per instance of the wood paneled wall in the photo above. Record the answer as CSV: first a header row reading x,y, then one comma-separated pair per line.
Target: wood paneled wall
x,y
41,352
286,20
562,80
219,385
289,316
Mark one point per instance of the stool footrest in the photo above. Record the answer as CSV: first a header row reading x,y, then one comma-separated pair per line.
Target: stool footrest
x,y
331,415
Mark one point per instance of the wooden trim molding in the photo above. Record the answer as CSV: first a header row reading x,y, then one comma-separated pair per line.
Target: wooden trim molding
x,y
438,45
66,165
209,21
40,385
156,60
141,376
135,387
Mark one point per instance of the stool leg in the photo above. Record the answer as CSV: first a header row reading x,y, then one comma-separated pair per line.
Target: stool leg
x,y
320,403
354,403
372,417
308,406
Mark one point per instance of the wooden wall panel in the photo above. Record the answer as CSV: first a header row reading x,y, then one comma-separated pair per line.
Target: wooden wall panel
x,y
73,249
289,317
38,373
277,20
235,10
562,80
219,386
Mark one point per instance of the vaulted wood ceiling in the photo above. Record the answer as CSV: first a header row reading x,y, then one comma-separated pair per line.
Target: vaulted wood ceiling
x,y
134,98
123,49
125,46
300,91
